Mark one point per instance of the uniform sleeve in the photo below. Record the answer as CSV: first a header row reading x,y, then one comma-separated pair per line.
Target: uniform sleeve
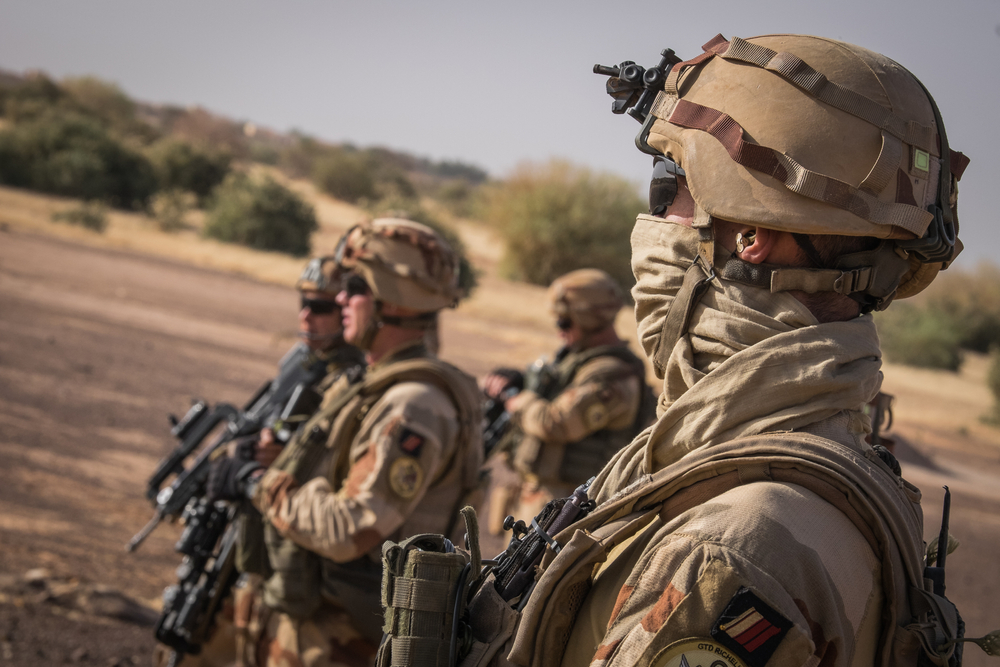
x,y
405,440
604,394
800,590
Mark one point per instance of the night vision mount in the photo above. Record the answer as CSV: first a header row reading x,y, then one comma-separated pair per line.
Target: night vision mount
x,y
633,89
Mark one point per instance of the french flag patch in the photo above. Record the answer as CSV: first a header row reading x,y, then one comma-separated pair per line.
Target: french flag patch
x,y
750,628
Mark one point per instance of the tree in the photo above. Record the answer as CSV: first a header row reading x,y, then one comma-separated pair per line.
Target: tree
x,y
260,213
558,217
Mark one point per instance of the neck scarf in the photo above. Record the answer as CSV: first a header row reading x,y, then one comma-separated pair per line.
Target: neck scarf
x,y
751,362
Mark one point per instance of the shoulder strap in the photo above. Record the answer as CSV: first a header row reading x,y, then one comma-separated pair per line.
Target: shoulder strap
x,y
861,486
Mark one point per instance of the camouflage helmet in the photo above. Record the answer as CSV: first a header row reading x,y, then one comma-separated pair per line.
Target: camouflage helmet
x,y
321,274
590,298
813,136
405,263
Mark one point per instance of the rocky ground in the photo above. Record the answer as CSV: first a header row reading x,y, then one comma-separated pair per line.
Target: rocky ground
x,y
98,345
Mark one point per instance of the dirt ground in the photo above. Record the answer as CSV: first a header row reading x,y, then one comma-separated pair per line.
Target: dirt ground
x,y
98,345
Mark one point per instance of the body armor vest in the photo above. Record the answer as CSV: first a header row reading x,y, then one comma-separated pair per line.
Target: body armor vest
x,y
883,507
302,579
577,461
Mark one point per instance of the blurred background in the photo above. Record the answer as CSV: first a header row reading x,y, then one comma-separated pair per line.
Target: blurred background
x,y
166,168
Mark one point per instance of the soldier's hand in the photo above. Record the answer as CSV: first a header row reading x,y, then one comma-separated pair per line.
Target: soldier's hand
x,y
267,449
227,478
500,380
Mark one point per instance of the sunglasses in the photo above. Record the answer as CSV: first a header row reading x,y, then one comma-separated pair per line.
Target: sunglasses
x,y
319,306
663,185
355,285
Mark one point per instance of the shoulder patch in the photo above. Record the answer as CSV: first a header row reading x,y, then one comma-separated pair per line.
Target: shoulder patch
x,y
406,476
410,442
750,628
596,416
696,652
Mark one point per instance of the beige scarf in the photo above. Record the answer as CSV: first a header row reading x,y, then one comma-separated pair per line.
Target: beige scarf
x,y
752,362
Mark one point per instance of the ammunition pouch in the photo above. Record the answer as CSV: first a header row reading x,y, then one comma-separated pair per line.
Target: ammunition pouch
x,y
251,551
423,588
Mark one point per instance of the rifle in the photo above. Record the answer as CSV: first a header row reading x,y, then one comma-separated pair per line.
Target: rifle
x,y
275,403
208,542
539,377
514,573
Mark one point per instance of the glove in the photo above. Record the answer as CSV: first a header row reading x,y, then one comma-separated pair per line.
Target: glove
x,y
514,377
227,478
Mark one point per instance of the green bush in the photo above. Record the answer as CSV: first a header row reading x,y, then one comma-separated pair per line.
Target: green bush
x,y
72,155
91,215
920,336
557,217
346,176
170,209
181,166
973,299
993,382
261,214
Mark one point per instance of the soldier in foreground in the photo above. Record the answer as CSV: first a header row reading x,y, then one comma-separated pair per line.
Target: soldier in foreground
x,y
799,184
578,411
389,454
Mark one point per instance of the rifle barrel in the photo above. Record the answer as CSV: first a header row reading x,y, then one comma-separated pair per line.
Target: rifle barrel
x,y
141,536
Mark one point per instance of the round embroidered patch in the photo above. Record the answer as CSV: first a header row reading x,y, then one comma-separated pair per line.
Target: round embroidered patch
x,y
694,652
597,416
406,476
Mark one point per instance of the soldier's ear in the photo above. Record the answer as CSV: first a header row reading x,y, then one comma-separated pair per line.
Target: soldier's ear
x,y
757,244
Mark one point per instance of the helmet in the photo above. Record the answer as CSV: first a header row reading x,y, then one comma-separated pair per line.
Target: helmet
x,y
322,274
589,297
404,263
813,136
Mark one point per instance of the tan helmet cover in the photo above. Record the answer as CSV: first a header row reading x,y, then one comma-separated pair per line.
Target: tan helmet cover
x,y
321,274
805,134
589,297
405,263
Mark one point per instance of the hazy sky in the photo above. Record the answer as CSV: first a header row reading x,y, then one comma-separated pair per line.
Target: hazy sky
x,y
497,83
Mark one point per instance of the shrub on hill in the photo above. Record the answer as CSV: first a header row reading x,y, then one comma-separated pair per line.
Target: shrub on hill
x,y
346,176
181,166
261,214
72,155
993,382
90,215
959,311
557,217
917,335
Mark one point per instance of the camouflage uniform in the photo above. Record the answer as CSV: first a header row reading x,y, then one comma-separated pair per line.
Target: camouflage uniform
x,y
390,454
753,525
569,437
575,414
317,369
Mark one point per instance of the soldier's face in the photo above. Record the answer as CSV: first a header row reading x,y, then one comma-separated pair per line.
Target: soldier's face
x,y
319,320
570,335
358,310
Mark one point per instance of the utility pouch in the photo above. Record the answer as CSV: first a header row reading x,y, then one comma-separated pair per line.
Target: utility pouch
x,y
423,591
251,552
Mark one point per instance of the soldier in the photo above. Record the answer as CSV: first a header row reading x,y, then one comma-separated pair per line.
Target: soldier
x,y
392,453
800,183
317,361
578,411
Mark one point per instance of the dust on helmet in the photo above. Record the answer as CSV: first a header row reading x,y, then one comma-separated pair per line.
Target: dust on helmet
x,y
590,298
814,136
321,274
405,263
